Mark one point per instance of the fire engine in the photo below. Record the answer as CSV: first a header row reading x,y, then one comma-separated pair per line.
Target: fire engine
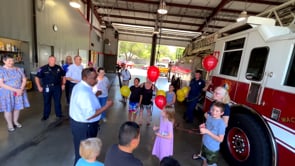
x,y
256,63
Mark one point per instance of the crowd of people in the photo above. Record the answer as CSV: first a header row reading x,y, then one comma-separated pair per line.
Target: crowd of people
x,y
87,97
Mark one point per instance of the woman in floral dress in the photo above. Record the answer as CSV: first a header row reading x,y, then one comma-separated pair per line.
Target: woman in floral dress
x,y
13,96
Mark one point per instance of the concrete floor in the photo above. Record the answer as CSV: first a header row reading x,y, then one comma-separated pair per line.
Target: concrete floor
x,y
50,143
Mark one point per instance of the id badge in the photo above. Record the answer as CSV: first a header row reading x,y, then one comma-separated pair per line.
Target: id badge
x,y
47,89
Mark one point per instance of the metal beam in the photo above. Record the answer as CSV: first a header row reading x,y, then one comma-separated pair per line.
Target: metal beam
x,y
170,14
164,21
199,7
215,11
164,26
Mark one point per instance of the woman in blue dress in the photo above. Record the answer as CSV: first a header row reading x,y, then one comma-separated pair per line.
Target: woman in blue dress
x,y
13,96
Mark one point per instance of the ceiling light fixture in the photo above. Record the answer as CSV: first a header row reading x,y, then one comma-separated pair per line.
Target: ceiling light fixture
x,y
162,9
242,16
75,4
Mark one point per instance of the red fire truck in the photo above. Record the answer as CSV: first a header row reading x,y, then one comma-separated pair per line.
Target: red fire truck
x,y
257,66
256,63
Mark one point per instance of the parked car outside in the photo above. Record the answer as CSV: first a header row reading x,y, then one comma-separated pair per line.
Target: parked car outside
x,y
163,68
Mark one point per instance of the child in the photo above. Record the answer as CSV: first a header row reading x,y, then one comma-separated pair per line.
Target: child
x,y
134,100
170,96
213,131
89,150
163,145
102,87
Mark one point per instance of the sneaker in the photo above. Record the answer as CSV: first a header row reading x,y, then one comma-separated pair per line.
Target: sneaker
x,y
214,164
196,156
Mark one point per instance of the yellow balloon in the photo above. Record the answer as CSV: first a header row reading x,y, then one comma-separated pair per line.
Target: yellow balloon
x,y
161,92
125,91
185,90
180,99
180,93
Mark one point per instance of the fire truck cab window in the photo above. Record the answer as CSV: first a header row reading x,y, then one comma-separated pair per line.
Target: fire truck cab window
x,y
256,65
232,56
290,77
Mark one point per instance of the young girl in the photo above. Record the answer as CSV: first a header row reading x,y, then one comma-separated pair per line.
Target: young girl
x,y
89,151
163,145
134,100
170,96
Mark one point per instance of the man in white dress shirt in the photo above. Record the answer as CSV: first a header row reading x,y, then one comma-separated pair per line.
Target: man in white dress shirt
x,y
126,77
73,74
85,109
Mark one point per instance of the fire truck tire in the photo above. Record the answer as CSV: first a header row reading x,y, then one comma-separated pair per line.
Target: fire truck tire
x,y
246,142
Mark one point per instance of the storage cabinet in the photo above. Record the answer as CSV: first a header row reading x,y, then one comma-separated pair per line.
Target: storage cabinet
x,y
18,56
11,47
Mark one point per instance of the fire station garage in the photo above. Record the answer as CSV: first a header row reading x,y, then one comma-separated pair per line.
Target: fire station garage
x,y
223,96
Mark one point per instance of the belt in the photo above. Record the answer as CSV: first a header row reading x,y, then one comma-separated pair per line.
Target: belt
x,y
52,84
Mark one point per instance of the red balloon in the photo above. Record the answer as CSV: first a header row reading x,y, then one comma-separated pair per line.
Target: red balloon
x,y
209,62
153,73
160,101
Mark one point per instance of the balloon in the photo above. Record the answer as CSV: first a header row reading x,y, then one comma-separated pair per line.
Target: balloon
x,y
160,101
185,90
209,62
180,99
161,92
153,73
180,93
125,91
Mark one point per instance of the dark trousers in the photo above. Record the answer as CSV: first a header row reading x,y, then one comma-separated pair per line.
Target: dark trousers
x,y
67,90
82,131
71,86
191,105
55,92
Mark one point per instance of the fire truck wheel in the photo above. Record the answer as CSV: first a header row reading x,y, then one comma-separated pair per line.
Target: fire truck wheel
x,y
246,142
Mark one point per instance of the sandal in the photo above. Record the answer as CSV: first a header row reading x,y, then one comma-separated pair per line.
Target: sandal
x,y
18,125
196,156
10,129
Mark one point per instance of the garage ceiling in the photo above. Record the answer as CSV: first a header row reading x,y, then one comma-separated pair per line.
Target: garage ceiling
x,y
185,20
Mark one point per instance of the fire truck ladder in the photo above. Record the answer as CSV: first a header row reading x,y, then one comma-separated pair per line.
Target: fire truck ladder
x,y
283,14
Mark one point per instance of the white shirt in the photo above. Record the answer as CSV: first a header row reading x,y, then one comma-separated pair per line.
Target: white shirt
x,y
125,74
102,85
83,103
75,72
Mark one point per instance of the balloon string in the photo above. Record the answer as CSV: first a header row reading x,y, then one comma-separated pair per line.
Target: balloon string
x,y
190,131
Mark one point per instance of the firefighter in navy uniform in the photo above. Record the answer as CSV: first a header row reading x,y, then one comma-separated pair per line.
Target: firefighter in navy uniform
x,y
53,82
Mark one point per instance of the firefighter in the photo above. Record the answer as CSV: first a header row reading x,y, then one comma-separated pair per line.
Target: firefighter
x,y
197,86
